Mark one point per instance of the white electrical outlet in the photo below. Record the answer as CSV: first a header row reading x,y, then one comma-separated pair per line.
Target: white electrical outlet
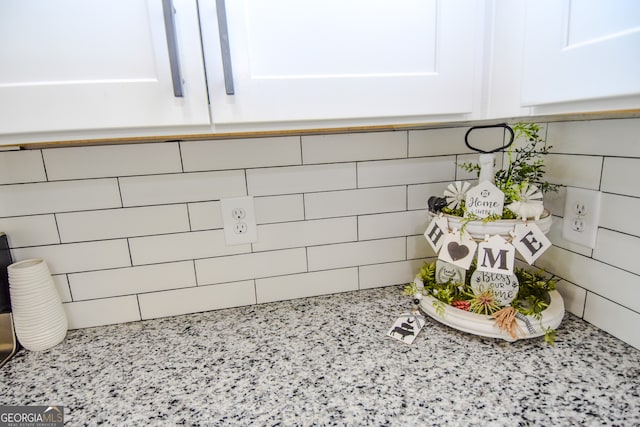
x,y
239,219
581,216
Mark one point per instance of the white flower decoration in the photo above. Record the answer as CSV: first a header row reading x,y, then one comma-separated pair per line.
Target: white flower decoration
x,y
456,193
529,193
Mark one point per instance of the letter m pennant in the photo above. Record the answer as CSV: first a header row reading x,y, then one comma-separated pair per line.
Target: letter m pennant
x,y
496,255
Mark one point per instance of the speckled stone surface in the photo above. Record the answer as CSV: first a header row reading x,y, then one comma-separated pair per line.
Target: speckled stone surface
x,y
326,361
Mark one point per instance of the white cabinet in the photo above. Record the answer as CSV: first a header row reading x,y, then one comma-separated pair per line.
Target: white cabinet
x,y
580,49
73,65
565,56
322,60
90,69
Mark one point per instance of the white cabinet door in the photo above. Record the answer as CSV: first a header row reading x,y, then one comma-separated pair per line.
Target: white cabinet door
x,y
97,64
298,60
580,50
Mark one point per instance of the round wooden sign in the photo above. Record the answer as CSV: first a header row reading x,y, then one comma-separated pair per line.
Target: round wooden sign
x,y
505,287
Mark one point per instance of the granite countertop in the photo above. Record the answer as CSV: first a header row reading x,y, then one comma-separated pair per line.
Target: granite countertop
x,y
326,361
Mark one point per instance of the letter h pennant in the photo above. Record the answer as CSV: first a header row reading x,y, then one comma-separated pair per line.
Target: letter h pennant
x,y
436,230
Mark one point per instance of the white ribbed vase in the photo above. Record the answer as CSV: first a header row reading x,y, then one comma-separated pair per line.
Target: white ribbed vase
x,y
39,319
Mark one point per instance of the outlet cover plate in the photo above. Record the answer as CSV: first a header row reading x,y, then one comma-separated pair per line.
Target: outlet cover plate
x,y
581,216
239,219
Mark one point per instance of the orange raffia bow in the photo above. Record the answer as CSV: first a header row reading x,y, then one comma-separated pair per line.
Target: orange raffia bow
x,y
506,321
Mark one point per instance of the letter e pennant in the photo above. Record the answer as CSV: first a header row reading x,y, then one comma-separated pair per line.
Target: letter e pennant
x,y
530,241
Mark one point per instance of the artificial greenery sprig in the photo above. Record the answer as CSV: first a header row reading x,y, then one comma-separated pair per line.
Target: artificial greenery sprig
x,y
525,165
532,298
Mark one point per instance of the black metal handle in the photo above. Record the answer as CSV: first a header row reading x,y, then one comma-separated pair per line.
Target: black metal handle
x,y
501,125
172,47
223,30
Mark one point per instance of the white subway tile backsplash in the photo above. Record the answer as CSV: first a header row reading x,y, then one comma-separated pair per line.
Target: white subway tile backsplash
x,y
573,171
301,179
573,297
62,286
131,280
123,222
355,202
208,215
75,257
196,299
621,176
440,142
107,311
417,247
180,188
610,317
205,216
350,208
617,285
617,249
353,147
240,153
306,233
182,246
463,175
617,137
30,230
66,196
111,160
392,224
437,142
21,166
620,213
418,195
279,208
394,273
356,253
407,171
554,201
250,266
306,285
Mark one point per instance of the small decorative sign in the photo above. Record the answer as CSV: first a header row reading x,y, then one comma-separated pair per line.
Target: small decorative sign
x,y
446,272
496,255
484,200
407,327
436,230
505,287
458,249
530,241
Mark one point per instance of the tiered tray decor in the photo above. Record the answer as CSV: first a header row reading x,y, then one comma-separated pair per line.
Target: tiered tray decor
x,y
476,230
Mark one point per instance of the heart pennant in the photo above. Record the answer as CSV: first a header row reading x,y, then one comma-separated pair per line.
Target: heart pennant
x,y
458,249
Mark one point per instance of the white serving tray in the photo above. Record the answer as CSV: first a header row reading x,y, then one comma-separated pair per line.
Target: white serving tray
x,y
479,324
